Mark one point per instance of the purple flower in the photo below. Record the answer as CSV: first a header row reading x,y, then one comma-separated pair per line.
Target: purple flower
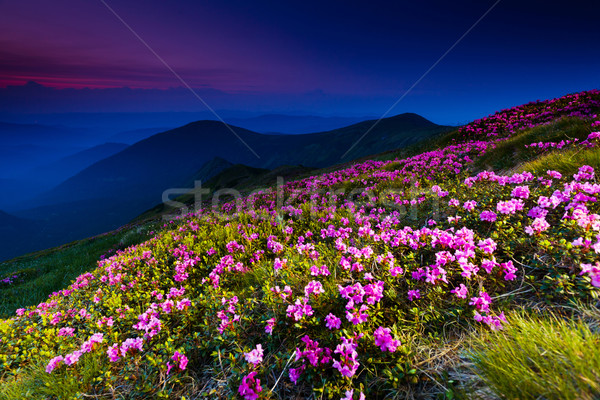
x,y
521,192
332,322
350,395
54,363
270,326
250,387
66,332
313,287
295,373
384,339
255,356
113,353
414,294
488,246
470,205
489,216
299,309
73,357
461,291
348,363
181,359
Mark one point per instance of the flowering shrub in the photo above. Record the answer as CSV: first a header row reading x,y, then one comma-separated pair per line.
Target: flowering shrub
x,y
326,290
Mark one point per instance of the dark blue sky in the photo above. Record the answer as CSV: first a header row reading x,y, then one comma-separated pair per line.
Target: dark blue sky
x,y
320,57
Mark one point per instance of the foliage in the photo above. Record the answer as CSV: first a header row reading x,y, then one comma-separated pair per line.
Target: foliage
x,y
539,357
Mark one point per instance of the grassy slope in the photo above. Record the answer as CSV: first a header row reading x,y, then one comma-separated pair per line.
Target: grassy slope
x,y
41,273
507,156
47,271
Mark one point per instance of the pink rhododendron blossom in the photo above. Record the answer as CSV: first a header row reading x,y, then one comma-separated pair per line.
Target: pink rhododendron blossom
x,y
113,353
73,357
55,362
470,205
554,174
66,331
521,192
348,363
181,360
384,339
270,326
313,287
349,395
489,216
332,322
593,271
299,309
482,303
255,356
414,294
460,291
250,387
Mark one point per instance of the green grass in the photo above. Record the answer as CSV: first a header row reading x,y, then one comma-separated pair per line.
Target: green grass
x,y
36,383
565,162
47,271
512,153
539,357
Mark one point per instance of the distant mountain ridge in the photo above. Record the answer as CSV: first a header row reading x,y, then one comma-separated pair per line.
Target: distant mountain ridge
x,y
116,189
293,124
66,167
170,158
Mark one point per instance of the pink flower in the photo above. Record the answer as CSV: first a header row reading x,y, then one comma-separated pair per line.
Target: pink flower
x,y
332,322
255,356
470,205
554,174
131,344
250,387
183,304
489,216
350,395
66,332
348,363
357,316
585,173
593,135
461,291
454,203
299,309
593,271
383,339
313,287
295,373
414,294
73,357
54,363
539,225
488,246
510,207
521,192
482,303
270,326
181,359
113,353
88,345
279,264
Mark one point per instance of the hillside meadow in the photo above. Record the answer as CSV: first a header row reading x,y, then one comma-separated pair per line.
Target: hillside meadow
x,y
463,267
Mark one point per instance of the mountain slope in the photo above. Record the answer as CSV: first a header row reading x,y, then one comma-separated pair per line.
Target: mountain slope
x,y
293,124
170,158
66,167
351,296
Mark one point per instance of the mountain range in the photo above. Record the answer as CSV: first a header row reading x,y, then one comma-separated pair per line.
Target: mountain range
x,y
114,190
